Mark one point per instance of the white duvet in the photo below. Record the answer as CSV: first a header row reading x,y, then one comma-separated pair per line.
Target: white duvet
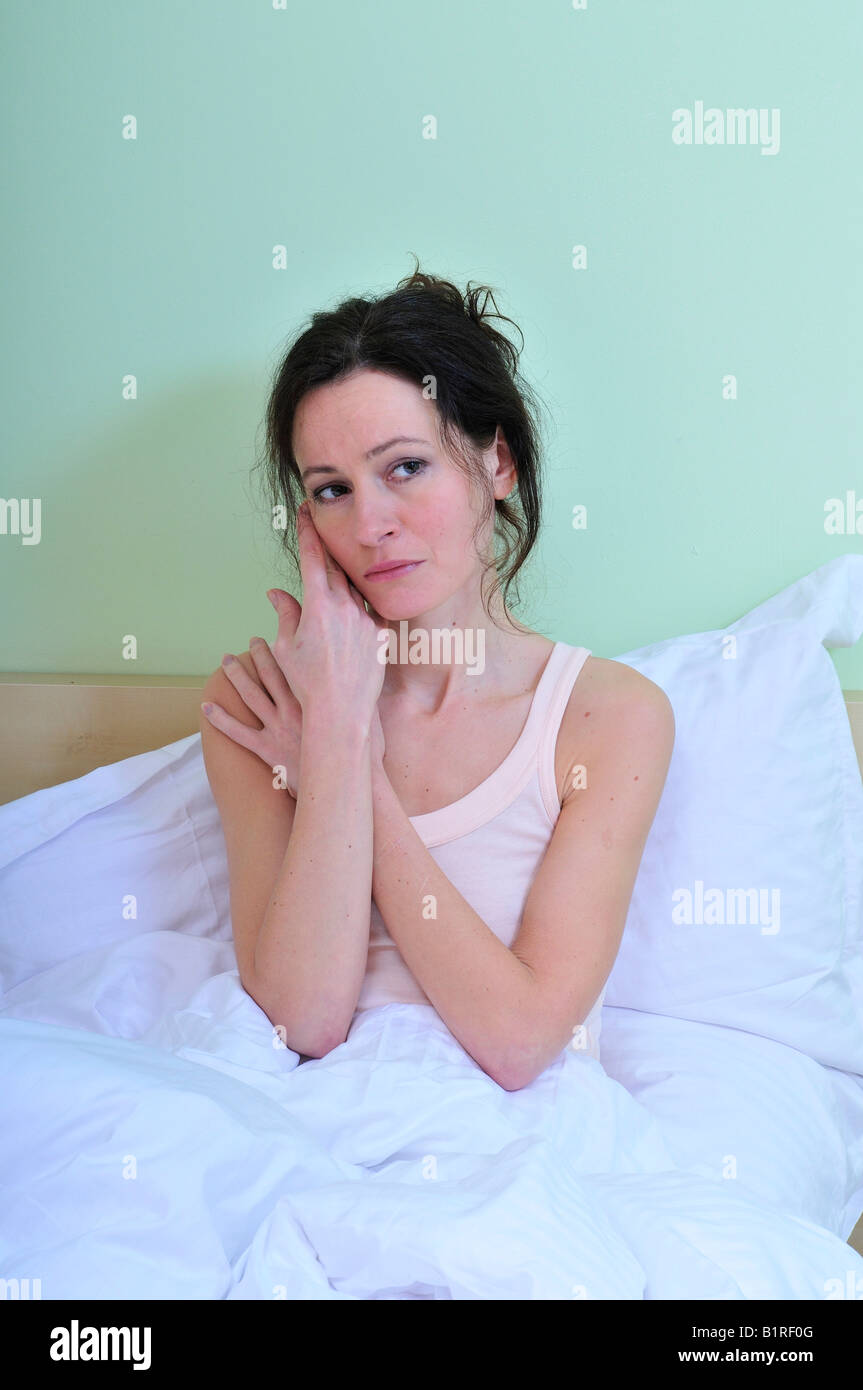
x,y
155,1143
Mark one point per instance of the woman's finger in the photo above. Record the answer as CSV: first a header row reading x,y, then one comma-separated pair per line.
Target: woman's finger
x,y
327,568
288,615
357,596
234,728
269,670
249,691
313,560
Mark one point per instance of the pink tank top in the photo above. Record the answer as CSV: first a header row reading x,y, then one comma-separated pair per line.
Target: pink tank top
x,y
490,843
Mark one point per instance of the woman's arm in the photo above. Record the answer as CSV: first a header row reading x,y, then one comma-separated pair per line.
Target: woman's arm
x,y
321,730
515,1008
277,886
312,949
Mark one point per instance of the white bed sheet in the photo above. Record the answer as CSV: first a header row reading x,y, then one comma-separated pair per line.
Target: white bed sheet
x,y
154,1143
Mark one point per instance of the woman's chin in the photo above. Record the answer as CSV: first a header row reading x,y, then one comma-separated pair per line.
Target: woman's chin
x,y
397,607
393,613
388,609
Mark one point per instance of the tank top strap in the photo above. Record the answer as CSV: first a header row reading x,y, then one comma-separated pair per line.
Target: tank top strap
x,y
555,699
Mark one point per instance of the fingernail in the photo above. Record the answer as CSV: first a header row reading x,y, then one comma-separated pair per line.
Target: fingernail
x,y
207,709
271,595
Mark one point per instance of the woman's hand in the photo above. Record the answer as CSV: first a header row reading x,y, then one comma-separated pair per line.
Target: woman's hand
x,y
298,653
278,743
330,656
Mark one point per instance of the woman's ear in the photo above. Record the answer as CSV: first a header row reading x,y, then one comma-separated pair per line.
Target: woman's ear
x,y
505,476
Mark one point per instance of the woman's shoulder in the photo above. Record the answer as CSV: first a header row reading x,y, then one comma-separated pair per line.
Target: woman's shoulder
x,y
598,703
600,676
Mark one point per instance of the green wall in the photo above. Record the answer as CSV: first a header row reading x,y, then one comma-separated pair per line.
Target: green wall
x,y
260,125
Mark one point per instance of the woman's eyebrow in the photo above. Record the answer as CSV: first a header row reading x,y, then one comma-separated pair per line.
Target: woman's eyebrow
x,y
378,449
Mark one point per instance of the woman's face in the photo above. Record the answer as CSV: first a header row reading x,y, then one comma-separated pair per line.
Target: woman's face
x,y
406,502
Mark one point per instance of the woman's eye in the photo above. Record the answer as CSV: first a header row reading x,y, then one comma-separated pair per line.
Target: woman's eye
x,y
405,463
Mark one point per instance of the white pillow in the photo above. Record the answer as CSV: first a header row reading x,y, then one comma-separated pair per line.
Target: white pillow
x,y
763,792
74,856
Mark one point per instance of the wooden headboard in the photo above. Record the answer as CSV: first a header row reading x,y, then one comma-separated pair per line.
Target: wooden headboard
x,y
56,727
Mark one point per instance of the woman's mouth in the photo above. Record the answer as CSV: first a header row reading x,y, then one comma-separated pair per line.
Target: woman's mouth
x,y
394,573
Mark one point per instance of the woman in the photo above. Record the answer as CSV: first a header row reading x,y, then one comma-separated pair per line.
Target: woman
x,y
461,835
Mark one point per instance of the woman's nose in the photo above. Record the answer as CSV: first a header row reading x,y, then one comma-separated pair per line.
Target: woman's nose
x,y
373,522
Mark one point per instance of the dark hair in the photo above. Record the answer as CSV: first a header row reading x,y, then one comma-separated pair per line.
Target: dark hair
x,y
424,328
